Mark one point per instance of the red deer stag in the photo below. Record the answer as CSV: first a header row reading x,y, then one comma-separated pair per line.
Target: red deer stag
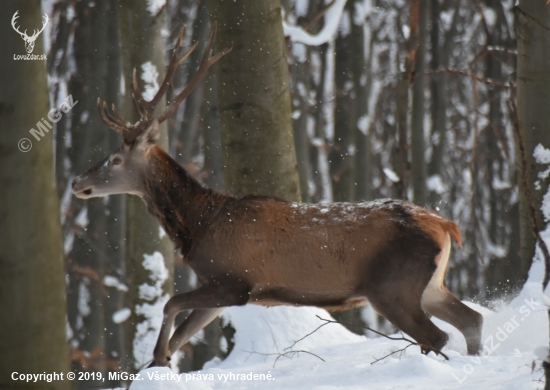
x,y
266,251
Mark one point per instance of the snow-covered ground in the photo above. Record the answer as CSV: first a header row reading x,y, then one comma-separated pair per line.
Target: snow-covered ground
x,y
511,335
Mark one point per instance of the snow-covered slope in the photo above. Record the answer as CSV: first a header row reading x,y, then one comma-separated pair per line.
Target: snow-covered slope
x,y
511,333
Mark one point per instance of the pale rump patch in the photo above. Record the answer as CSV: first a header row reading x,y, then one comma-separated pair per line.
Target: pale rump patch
x,y
433,291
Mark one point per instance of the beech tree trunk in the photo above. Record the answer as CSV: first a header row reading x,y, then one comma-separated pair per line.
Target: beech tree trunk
x,y
254,98
32,285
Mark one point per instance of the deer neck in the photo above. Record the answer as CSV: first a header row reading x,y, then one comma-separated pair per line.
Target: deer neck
x,y
181,204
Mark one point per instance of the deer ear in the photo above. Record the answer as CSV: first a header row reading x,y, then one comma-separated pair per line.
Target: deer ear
x,y
151,135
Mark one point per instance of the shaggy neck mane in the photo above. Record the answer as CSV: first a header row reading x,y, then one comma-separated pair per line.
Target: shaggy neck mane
x,y
182,205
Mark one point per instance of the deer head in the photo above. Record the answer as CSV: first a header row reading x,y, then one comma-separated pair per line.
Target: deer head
x,y
29,41
123,171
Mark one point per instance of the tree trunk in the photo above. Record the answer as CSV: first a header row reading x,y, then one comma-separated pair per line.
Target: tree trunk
x,y
342,155
533,94
418,169
301,84
213,157
141,43
502,276
32,287
253,88
401,162
441,50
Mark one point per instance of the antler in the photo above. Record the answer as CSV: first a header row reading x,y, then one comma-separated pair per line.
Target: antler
x,y
146,108
13,19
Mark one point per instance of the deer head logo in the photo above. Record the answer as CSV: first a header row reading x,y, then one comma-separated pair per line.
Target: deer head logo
x,y
29,41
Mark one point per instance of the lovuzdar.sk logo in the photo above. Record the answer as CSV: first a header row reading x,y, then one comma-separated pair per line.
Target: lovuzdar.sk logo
x,y
29,40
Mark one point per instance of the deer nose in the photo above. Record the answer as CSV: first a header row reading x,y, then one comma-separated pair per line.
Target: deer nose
x,y
74,182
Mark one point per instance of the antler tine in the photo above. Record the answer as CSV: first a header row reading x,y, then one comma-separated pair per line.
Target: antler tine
x,y
120,120
206,63
109,120
175,61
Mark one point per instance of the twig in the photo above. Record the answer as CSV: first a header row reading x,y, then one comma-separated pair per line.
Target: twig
x,y
492,50
288,354
391,353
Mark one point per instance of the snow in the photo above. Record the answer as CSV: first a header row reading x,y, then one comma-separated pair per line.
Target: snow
x,y
84,116
154,6
301,6
299,51
148,330
162,233
332,21
84,298
121,315
391,174
435,184
149,76
344,28
490,16
362,124
82,218
542,156
111,281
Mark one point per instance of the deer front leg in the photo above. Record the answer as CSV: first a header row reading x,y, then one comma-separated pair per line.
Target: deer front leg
x,y
205,297
197,320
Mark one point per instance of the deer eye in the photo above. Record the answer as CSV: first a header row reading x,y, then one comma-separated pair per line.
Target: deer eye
x,y
116,161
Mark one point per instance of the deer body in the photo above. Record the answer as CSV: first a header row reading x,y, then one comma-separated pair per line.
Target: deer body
x,y
266,251
287,253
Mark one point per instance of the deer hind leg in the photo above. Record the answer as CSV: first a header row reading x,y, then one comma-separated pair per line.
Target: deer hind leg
x,y
438,301
410,318
205,297
442,304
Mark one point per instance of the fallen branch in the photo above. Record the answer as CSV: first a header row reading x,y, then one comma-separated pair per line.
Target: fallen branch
x,y
424,348
289,352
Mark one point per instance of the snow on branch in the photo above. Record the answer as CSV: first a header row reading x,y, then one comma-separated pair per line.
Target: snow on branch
x,y
332,18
